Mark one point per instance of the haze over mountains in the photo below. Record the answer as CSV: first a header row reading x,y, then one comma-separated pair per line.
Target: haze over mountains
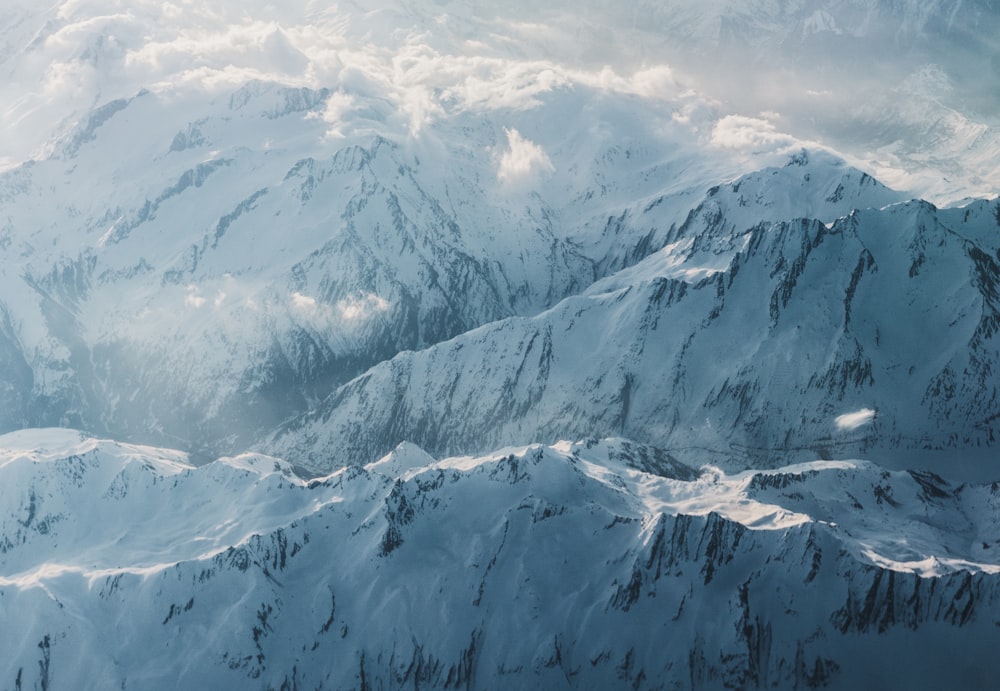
x,y
582,277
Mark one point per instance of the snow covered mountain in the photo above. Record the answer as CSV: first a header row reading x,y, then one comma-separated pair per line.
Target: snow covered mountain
x,y
740,342
583,345
617,566
224,288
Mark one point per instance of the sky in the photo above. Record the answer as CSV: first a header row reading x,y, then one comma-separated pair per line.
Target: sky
x,y
905,90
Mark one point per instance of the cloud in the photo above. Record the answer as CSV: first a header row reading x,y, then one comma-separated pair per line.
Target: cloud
x,y
751,135
219,296
406,81
655,83
193,297
338,107
483,84
851,421
260,47
522,159
303,303
351,309
410,67
361,306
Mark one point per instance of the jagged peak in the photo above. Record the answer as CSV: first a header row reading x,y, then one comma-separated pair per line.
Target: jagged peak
x,y
405,457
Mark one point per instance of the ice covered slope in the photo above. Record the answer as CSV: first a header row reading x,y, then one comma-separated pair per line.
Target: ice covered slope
x,y
739,343
591,564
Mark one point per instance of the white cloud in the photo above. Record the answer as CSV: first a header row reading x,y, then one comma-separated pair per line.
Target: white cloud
x,y
361,306
232,295
522,159
751,135
657,82
338,106
350,309
193,297
421,107
303,303
481,84
406,79
410,69
851,421
258,46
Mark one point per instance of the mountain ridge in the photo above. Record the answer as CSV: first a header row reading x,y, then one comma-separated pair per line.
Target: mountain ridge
x,y
848,287
430,607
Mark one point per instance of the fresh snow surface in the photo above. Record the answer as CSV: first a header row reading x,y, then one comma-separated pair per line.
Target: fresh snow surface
x,y
582,564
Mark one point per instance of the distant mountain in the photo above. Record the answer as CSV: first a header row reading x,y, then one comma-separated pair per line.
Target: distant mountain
x,y
196,290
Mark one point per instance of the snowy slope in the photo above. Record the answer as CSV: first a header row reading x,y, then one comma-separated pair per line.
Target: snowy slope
x,y
616,565
250,264
235,211
744,343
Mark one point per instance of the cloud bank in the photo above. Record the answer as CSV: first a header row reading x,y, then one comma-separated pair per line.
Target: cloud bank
x,y
903,89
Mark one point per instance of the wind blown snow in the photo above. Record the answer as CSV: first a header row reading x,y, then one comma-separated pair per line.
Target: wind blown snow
x,y
851,421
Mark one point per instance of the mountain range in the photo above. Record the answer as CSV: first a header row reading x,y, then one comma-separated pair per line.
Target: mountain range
x,y
616,565
449,345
